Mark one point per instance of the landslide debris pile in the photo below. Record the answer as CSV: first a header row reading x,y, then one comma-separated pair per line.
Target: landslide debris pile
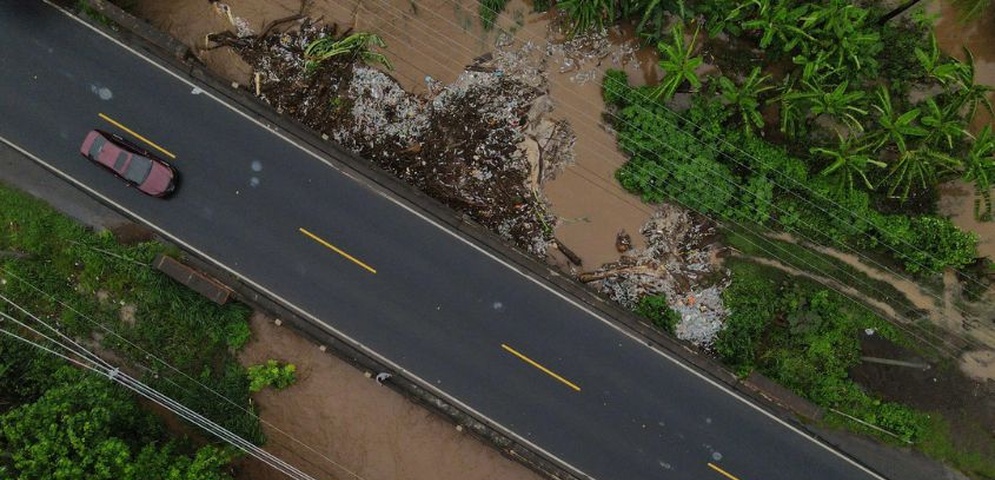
x,y
481,145
679,262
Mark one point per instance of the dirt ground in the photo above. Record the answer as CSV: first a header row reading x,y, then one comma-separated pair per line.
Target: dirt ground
x,y
336,423
967,404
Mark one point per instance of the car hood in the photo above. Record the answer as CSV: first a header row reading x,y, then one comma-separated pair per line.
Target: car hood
x,y
160,180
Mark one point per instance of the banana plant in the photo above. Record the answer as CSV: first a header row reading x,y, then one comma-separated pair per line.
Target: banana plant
x,y
969,95
971,9
849,163
745,98
840,103
896,127
678,62
945,125
979,168
358,45
793,110
587,15
838,28
814,99
938,68
779,24
916,168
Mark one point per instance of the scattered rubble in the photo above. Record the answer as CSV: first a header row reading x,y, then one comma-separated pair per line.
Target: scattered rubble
x,y
679,262
483,144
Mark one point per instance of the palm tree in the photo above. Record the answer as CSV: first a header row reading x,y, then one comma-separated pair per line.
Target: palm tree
x,y
979,168
849,163
745,98
677,62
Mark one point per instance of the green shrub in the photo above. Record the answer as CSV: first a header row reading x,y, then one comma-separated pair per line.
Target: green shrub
x,y
656,309
751,311
237,333
271,374
615,88
932,244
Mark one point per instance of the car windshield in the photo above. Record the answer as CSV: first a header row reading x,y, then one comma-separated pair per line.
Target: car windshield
x,y
96,147
138,169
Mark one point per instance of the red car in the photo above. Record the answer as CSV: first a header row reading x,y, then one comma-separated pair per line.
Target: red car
x,y
133,164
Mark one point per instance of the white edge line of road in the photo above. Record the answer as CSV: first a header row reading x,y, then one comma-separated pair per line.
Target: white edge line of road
x,y
357,344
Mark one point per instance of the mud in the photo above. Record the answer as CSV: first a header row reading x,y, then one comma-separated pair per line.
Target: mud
x,y
336,423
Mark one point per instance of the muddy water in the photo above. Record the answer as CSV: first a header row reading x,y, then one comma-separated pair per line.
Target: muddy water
x,y
957,198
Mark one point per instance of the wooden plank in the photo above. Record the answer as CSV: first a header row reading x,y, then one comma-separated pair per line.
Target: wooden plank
x,y
214,290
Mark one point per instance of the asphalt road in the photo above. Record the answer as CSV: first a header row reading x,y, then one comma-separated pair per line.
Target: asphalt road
x,y
384,276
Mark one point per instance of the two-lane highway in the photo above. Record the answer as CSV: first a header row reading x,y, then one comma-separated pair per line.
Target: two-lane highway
x,y
456,318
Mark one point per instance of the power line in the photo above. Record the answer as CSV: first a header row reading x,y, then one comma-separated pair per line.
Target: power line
x,y
166,364
774,206
89,360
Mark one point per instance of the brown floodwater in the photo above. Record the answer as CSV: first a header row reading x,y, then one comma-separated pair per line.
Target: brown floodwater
x,y
957,198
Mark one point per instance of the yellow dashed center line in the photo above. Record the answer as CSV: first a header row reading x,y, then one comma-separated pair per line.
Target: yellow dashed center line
x,y
133,134
723,472
337,250
540,367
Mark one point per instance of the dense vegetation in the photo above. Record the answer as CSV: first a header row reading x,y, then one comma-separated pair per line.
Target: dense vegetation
x,y
829,120
806,338
693,158
62,422
107,295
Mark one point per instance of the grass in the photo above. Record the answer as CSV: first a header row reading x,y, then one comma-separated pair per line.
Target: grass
x,y
489,11
807,260
59,270
939,443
